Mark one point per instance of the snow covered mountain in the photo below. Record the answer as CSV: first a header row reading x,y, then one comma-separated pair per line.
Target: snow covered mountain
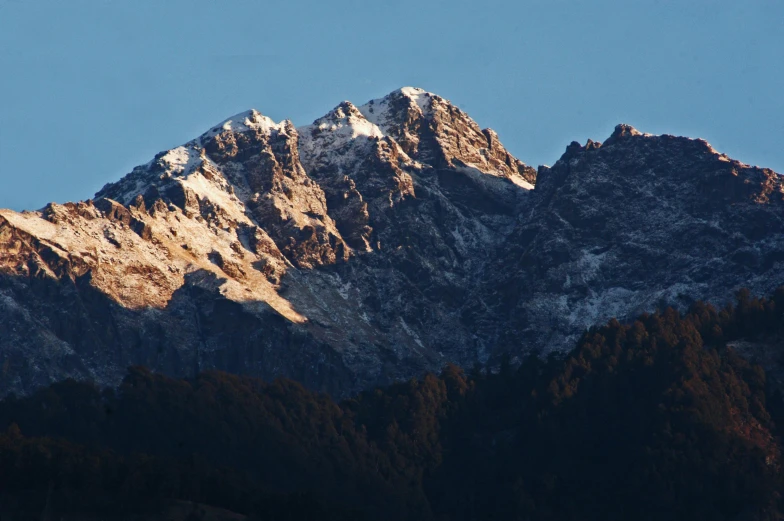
x,y
378,242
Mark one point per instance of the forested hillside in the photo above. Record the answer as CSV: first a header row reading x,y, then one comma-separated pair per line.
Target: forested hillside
x,y
650,420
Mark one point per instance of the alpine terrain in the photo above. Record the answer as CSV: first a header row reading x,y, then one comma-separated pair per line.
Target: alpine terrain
x,y
377,243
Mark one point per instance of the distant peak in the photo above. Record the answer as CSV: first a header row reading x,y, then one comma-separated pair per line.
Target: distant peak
x,y
412,91
624,130
408,91
244,121
337,130
419,96
344,110
345,119
399,106
248,118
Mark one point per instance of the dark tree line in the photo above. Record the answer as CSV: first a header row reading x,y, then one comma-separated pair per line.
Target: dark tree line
x,y
654,419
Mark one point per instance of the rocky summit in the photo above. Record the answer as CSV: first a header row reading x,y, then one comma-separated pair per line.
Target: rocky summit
x,y
379,242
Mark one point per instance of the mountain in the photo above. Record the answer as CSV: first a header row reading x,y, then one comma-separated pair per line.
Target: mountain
x,y
380,241
636,223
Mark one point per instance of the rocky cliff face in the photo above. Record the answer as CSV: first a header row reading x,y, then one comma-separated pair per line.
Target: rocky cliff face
x,y
638,222
378,242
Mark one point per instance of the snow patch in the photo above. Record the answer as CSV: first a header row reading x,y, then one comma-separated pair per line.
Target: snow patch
x,y
590,264
522,183
379,112
411,333
181,160
420,96
217,195
343,289
333,138
243,122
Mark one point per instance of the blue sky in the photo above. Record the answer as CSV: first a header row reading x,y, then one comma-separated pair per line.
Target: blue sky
x,y
91,88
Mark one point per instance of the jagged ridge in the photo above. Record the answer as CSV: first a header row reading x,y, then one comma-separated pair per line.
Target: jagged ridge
x,y
375,243
244,213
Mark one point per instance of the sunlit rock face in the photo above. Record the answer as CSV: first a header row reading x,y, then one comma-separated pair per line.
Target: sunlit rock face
x,y
381,241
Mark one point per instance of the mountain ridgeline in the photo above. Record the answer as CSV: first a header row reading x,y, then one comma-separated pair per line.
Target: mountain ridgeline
x,y
657,419
380,242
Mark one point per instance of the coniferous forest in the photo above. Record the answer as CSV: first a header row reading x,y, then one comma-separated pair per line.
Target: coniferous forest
x,y
655,419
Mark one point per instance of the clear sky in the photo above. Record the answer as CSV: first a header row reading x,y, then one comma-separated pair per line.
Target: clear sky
x,y
91,88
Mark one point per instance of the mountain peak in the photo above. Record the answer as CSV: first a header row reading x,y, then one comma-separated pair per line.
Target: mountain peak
x,y
398,107
433,131
412,91
245,121
624,129
341,137
419,96
346,120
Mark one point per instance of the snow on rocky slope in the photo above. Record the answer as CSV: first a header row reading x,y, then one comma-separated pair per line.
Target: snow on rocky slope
x,y
325,253
633,224
380,241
